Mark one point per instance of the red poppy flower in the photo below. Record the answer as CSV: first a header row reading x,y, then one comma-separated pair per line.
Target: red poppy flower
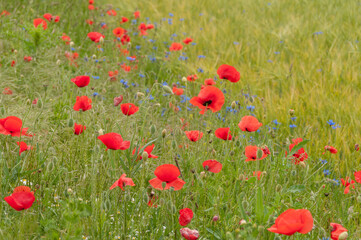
x,y
177,91
187,40
331,149
28,58
117,100
95,36
357,176
150,26
83,103
47,16
136,14
88,21
301,154
40,21
22,198
175,47
257,174
23,147
249,124
209,82
347,183
192,77
91,1
292,221
228,72
194,136
148,150
118,32
251,153
81,81
167,173
66,39
143,29
56,18
125,39
212,166
7,91
35,101
122,182
223,133
114,141
13,126
13,63
78,129
185,216
189,234
124,19
152,200
337,231
209,98
129,109
4,13
112,12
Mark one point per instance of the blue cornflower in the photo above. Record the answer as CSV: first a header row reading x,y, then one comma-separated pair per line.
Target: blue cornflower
x,y
200,70
293,118
250,108
331,122
293,126
326,172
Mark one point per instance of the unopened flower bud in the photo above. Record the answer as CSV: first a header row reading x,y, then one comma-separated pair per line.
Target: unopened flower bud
x,y
215,218
71,44
234,104
291,112
184,79
343,236
94,56
203,174
101,39
167,89
145,155
70,190
164,133
302,164
140,94
242,222
152,129
101,132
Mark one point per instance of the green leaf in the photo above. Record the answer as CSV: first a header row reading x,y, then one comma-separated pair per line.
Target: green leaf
x,y
296,188
213,233
298,146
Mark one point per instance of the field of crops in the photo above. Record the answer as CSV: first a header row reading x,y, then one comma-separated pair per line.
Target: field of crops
x,y
187,119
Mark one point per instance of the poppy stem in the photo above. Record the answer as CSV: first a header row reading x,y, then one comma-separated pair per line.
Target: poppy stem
x,y
176,162
125,216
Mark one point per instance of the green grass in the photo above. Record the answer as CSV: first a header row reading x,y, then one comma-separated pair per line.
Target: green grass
x,y
302,55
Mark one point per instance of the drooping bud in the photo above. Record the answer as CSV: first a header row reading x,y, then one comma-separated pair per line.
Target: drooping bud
x,y
140,94
70,122
164,133
152,129
343,236
233,105
145,155
167,89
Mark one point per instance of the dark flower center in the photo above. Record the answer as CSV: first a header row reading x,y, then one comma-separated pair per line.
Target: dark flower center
x,y
207,103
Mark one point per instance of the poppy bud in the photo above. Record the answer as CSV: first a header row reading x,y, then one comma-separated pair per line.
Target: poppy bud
x,y
251,99
233,105
101,132
15,51
215,218
358,199
40,104
278,188
58,62
157,105
231,153
184,79
71,44
174,145
260,228
70,190
167,89
291,112
145,155
70,122
242,222
2,111
94,56
164,132
152,129
203,174
357,147
164,184
343,236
